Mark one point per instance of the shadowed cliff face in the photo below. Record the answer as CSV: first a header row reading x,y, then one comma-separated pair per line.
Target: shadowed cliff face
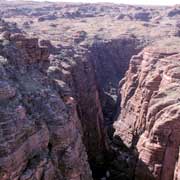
x,y
72,81
96,102
110,60
47,99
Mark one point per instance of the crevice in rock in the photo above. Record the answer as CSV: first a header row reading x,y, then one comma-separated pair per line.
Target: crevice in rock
x,y
110,61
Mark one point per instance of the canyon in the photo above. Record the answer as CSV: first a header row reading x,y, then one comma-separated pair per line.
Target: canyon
x,y
89,91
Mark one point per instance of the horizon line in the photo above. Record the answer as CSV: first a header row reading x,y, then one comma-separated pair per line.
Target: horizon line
x,y
100,2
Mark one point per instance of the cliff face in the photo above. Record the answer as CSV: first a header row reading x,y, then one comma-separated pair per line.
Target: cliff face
x,y
62,96
74,68
59,75
41,134
85,69
149,119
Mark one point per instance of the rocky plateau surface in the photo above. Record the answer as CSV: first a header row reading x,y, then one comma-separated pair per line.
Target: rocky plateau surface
x,y
89,91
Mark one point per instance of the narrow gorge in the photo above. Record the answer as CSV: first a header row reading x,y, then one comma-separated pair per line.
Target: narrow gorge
x,y
75,92
89,91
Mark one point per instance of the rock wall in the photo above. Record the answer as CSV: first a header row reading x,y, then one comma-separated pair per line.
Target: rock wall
x,y
91,72
149,121
74,69
73,75
40,131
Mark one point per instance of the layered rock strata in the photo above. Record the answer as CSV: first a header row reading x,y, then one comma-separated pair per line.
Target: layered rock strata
x,y
65,87
149,120
40,131
74,69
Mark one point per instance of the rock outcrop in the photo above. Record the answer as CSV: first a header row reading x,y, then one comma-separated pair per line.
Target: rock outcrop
x,y
41,136
149,119
75,69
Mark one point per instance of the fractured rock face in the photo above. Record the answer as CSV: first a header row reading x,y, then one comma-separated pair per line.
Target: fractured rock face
x,y
6,91
40,133
149,120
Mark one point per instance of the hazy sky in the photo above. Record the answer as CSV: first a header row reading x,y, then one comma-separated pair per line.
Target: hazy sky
x,y
147,2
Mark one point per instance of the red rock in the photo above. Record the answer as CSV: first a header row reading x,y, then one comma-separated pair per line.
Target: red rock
x,y
58,95
33,145
150,111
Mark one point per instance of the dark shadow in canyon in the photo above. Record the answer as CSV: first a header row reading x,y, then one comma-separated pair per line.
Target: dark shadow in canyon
x,y
125,164
110,61
122,163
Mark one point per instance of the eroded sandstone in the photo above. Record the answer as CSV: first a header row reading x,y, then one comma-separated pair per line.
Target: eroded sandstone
x,y
149,118
40,131
59,95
